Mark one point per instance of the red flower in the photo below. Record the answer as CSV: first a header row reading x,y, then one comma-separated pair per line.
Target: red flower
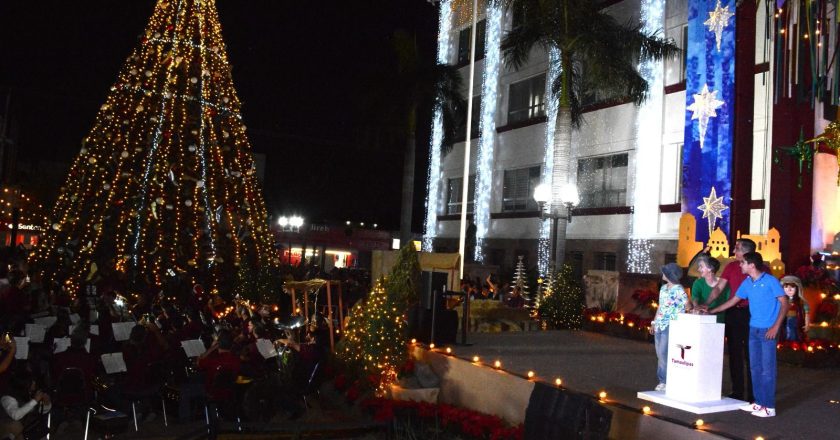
x,y
340,382
353,392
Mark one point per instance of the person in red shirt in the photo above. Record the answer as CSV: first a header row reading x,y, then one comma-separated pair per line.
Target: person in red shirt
x,y
217,360
737,323
75,357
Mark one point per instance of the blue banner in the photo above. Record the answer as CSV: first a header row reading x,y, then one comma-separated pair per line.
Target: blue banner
x,y
709,118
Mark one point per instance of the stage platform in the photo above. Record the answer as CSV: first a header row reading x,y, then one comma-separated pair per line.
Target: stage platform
x,y
808,400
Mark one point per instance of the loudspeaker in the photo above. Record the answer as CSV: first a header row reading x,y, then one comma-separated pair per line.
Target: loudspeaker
x,y
554,413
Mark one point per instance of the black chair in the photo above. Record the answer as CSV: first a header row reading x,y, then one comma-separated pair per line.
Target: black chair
x,y
222,394
156,374
312,385
72,393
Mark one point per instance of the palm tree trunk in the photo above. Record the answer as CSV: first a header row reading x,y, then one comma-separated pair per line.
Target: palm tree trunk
x,y
407,188
560,176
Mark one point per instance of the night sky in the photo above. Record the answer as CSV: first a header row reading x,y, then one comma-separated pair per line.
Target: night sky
x,y
302,69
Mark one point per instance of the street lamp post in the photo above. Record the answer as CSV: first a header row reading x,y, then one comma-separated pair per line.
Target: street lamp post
x,y
291,224
569,198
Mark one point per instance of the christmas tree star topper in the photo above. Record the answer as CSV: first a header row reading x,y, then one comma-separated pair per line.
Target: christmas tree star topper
x,y
703,108
718,20
712,208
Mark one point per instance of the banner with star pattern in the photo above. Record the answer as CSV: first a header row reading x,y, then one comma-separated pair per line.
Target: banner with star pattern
x,y
709,117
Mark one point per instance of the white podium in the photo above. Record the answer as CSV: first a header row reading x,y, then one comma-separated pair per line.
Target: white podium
x,y
695,367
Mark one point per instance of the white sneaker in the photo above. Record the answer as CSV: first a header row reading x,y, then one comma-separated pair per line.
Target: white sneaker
x,y
764,411
751,407
660,387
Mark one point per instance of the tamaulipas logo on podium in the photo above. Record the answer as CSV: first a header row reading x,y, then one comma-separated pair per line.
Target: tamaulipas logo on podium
x,y
681,360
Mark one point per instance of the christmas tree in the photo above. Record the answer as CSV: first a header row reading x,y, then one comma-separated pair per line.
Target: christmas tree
x,y
520,280
375,340
165,182
544,286
563,303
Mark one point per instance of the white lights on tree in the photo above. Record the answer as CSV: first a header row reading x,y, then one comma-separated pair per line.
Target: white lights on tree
x,y
486,146
433,192
648,130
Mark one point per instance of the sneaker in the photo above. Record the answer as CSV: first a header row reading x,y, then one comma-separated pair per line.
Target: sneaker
x,y
751,407
660,387
765,412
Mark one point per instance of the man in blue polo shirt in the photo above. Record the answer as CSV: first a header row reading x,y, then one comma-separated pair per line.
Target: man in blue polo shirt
x,y
768,305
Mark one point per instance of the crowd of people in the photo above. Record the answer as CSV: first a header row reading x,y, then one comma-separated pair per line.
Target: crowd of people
x,y
491,290
52,345
756,308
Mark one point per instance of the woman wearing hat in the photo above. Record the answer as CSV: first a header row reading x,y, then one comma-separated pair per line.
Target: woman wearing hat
x,y
796,322
672,301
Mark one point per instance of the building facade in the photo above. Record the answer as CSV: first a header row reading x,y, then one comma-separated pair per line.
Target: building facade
x,y
627,161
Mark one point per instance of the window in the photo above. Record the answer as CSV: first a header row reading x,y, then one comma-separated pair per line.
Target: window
x,y
527,99
602,181
605,261
475,123
454,199
684,53
464,43
518,193
575,260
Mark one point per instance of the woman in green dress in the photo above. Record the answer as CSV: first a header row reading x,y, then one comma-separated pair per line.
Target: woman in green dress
x,y
702,287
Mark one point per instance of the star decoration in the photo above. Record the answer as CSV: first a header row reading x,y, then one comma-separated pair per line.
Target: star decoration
x,y
704,106
712,208
718,19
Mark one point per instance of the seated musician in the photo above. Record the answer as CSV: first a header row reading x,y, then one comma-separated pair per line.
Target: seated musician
x,y
217,359
76,356
253,362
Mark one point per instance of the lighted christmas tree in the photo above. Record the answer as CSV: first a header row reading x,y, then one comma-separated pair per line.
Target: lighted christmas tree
x,y
375,341
563,302
165,182
520,280
543,288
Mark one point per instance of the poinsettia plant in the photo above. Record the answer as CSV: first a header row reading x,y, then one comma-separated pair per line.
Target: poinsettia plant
x,y
814,275
465,423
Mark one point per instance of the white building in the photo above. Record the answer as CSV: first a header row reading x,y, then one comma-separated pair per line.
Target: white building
x,y
626,159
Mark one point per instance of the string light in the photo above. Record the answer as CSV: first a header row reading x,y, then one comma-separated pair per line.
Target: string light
x,y
558,382
497,364
544,256
487,127
530,375
433,192
602,395
448,350
646,410
648,126
475,359
699,423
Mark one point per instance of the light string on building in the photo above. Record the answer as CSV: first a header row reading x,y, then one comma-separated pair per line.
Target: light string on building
x,y
648,130
487,128
433,193
544,257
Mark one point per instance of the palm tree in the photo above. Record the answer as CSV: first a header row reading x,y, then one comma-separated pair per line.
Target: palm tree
x,y
588,39
415,83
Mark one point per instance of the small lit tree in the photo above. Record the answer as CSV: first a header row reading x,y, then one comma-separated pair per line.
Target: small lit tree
x,y
563,302
520,280
375,341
